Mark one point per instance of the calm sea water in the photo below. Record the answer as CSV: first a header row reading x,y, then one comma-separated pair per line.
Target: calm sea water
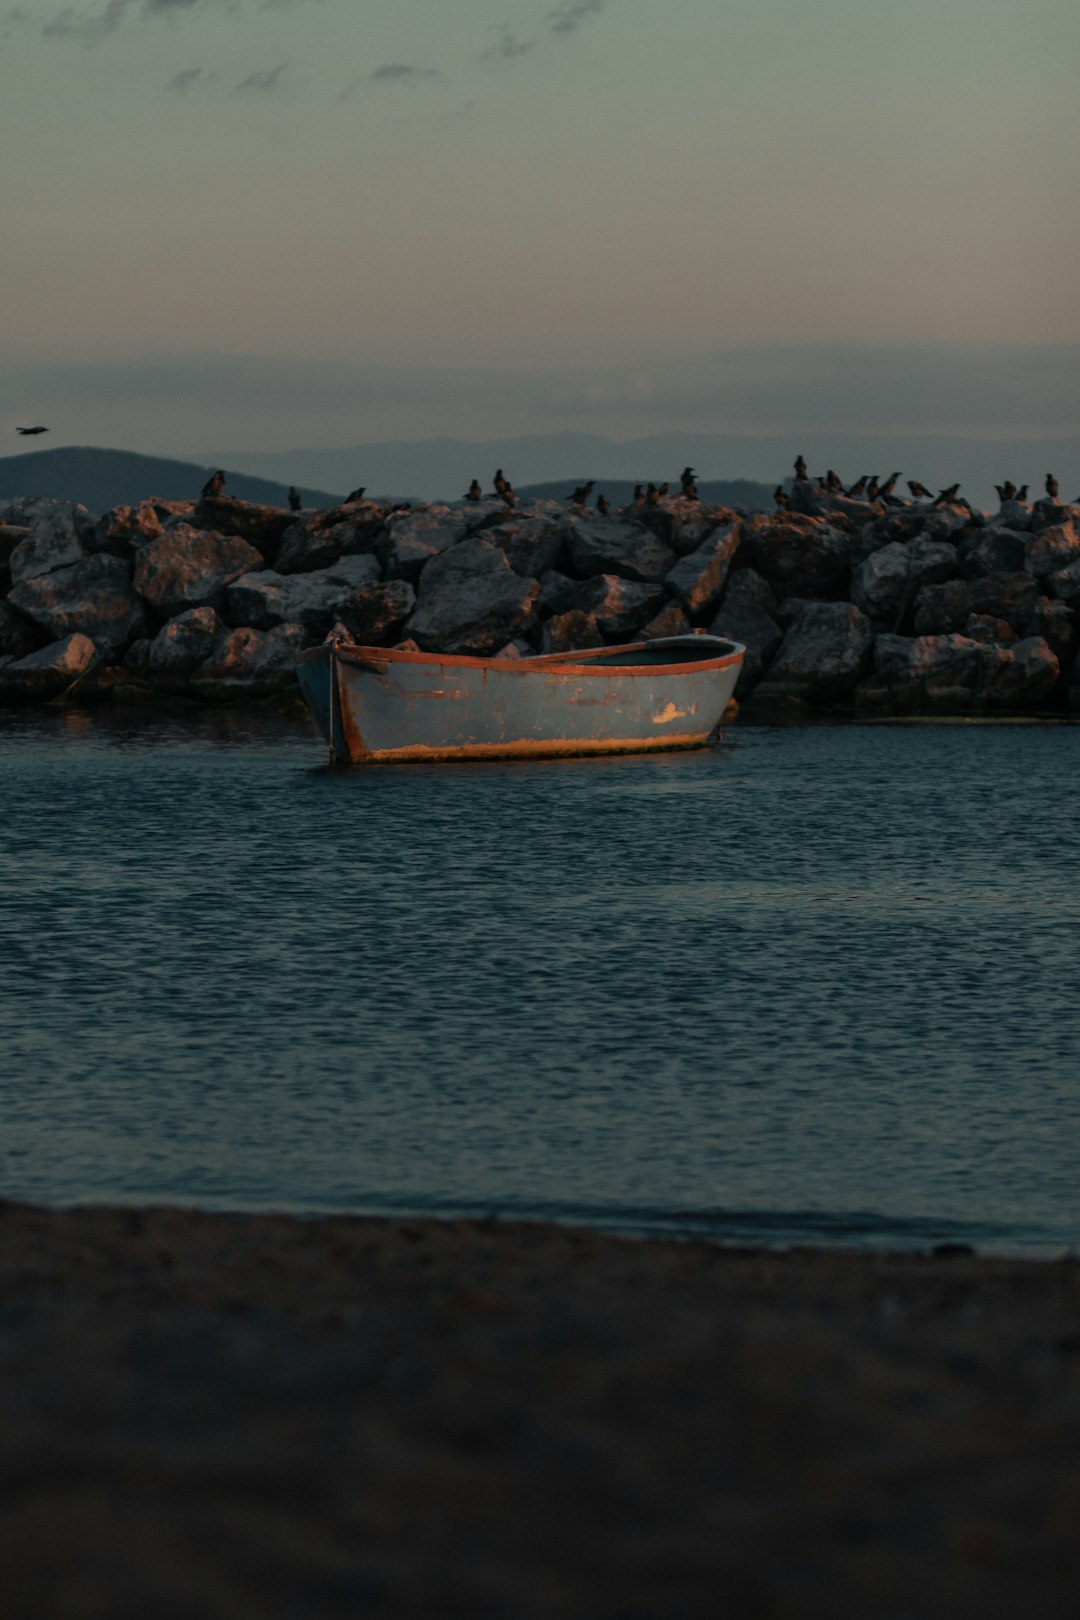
x,y
819,985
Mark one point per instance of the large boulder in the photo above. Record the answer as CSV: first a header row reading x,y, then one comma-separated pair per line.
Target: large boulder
x,y
567,632
620,606
1065,583
251,663
1054,622
955,674
180,646
186,568
411,539
123,529
887,581
11,535
945,609
604,545
1015,515
810,500
1049,513
375,615
1049,549
995,550
53,542
261,526
747,615
18,635
1021,676
314,600
670,621
471,601
93,596
47,672
319,540
799,556
532,544
697,580
947,521
692,523
824,654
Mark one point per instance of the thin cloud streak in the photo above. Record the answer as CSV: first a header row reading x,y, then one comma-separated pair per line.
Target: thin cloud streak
x,y
406,74
267,79
506,48
570,14
187,78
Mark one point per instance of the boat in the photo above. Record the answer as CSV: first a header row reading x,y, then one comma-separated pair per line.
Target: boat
x,y
387,704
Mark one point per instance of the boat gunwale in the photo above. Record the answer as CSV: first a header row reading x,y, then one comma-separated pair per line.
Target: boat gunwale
x,y
541,663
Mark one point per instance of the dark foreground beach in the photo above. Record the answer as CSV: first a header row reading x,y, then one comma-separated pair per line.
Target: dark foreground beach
x,y
234,1416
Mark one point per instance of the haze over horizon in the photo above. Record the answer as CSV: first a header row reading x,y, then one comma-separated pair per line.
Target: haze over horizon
x,y
269,224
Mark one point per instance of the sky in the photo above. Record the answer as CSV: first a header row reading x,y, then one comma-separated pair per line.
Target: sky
x,y
274,223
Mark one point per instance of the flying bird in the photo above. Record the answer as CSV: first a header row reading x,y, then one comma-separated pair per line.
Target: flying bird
x,y
214,484
29,432
294,498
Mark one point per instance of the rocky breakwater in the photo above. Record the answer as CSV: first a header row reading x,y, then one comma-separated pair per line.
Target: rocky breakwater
x,y
845,606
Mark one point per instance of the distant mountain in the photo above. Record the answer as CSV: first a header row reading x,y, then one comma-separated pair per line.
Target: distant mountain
x,y
104,478
620,492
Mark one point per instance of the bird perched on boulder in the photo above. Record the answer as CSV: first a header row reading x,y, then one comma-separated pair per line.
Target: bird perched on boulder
x,y
639,495
888,486
832,483
872,489
800,469
947,495
1021,494
1051,486
603,505
652,495
920,491
28,433
474,491
507,494
214,485
501,484
781,496
581,494
294,498
858,488
686,479
356,495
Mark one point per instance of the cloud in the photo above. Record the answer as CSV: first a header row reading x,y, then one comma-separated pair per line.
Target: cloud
x,y
405,73
570,14
87,30
188,78
266,79
163,8
506,47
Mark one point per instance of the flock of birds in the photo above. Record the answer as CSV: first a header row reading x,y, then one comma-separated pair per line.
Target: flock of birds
x,y
868,488
644,494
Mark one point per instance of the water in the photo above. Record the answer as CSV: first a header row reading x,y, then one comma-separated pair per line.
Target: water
x,y
817,986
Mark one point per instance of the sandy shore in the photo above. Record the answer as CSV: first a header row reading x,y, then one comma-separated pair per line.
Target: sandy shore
x,y
237,1416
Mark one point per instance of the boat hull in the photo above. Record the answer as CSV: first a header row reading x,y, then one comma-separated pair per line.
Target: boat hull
x,y
376,705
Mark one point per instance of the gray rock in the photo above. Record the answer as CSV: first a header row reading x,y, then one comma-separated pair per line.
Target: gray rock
x,y
698,579
1048,514
375,615
887,581
824,654
123,529
1065,583
556,593
619,606
946,522
992,632
251,663
810,500
799,556
692,523
995,550
1015,515
93,596
1020,676
18,635
567,632
747,615
411,539
11,535
1050,549
314,600
1054,622
320,539
47,672
954,674
471,601
261,526
181,646
945,609
50,519
670,621
53,542
603,545
533,545
186,568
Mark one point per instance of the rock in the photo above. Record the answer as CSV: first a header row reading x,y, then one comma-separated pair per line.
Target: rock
x,y
995,551
946,522
45,515
799,556
52,543
603,545
172,513
99,684
412,539
123,529
44,673
186,568
747,616
944,609
954,674
1050,549
261,526
670,621
93,596
11,535
887,581
1015,515
471,601
251,663
692,523
18,635
898,524
409,645
1049,514
320,540
181,646
556,593
1065,583
990,631
137,657
1020,676
533,545
567,632
479,516
619,606
810,500
314,600
515,649
698,579
375,615
824,654
1054,622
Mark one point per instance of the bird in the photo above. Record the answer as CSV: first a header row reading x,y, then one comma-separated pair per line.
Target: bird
x,y
29,432
781,496
501,484
872,489
214,485
888,486
582,493
1021,494
833,483
664,487
603,505
686,478
294,498
507,493
858,488
639,495
920,491
800,469
355,495
474,491
1051,486
947,495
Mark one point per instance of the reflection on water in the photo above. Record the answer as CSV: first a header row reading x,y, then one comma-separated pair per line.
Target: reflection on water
x,y
816,985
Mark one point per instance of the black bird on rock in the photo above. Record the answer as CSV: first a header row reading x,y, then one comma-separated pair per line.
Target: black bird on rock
x,y
800,469
639,495
781,496
858,488
603,506
888,486
582,493
920,491
214,485
652,496
872,489
501,484
28,433
664,487
294,498
832,483
1021,494
1051,486
355,495
945,495
474,491
689,486
507,494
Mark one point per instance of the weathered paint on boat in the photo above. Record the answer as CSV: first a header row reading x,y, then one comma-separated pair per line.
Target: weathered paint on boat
x,y
375,704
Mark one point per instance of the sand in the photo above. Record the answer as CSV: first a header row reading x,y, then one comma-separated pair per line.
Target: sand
x,y
234,1416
